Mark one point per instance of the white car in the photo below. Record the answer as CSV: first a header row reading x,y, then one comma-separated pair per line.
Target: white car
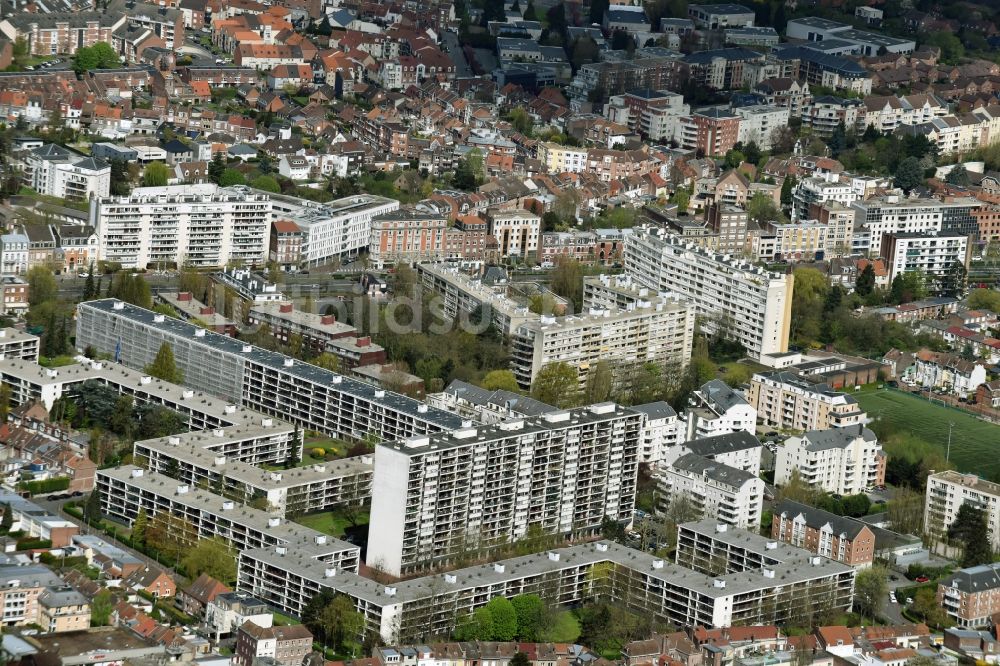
x,y
892,597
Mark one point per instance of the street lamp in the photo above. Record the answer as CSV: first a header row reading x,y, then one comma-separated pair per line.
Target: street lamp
x,y
947,455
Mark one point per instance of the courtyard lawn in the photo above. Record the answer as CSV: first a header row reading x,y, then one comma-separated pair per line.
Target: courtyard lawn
x,y
331,522
975,444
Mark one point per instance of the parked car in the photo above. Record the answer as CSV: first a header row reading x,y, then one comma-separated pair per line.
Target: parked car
x,y
921,579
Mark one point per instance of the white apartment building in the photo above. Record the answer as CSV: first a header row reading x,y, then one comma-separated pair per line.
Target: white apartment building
x,y
819,190
794,241
717,409
946,493
14,253
752,305
660,430
720,492
198,225
758,122
517,232
740,450
787,401
437,497
724,577
933,254
873,218
843,461
337,229
464,294
946,371
266,381
561,159
66,174
128,489
887,113
655,330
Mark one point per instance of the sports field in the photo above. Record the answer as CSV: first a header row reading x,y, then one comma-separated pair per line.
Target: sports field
x,y
975,444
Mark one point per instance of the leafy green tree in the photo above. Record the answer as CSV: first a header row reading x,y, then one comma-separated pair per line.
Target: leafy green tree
x,y
856,505
762,209
139,526
477,627
682,198
953,281
557,384
42,287
164,366
156,174
504,618
500,380
213,557
529,12
970,528
520,659
870,591
131,288
266,183
521,121
530,611
908,287
734,158
597,9
909,174
92,507
600,383
958,176
865,284
232,177
100,608
340,621
988,299
7,521
89,287
566,280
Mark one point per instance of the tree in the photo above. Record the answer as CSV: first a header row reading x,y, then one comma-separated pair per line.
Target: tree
x,y
520,659
98,56
92,507
586,50
156,174
266,183
797,490
734,158
327,361
139,526
213,557
529,12
217,167
164,367
970,528
600,383
521,121
100,608
500,380
504,618
988,299
5,393
530,611
339,621
870,591
682,198
925,604
469,172
907,287
232,177
787,187
762,209
557,384
856,506
566,280
42,287
865,284
909,174
89,287
838,139
7,521
953,281
958,176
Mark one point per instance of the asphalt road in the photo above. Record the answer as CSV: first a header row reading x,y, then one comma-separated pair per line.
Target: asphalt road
x,y
462,69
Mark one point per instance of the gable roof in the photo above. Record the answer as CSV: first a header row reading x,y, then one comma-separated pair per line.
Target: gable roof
x,y
818,518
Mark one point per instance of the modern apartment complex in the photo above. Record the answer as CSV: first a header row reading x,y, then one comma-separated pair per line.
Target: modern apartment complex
x,y
266,381
15,344
946,493
717,409
438,497
739,449
65,174
649,329
751,580
735,297
933,254
842,461
840,538
126,490
787,400
718,491
464,295
877,216
336,229
198,225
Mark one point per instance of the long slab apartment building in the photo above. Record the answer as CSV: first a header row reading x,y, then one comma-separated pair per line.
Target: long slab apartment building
x,y
262,380
435,496
722,577
754,306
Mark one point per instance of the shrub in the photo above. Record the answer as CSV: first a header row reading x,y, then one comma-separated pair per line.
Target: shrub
x,y
318,453
45,485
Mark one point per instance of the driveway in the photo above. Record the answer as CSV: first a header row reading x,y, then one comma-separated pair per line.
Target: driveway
x,y
454,51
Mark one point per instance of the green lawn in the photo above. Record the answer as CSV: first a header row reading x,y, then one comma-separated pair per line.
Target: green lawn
x,y
330,522
975,444
55,361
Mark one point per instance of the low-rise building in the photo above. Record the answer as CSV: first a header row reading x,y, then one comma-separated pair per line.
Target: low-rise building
x,y
840,538
284,646
942,370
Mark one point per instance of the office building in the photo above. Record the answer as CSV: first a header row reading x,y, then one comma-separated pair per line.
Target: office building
x,y
753,580
59,172
337,229
946,493
734,297
265,381
126,490
840,538
716,490
436,498
841,461
785,400
197,225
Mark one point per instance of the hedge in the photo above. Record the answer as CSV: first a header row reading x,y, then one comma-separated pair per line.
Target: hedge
x,y
45,486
